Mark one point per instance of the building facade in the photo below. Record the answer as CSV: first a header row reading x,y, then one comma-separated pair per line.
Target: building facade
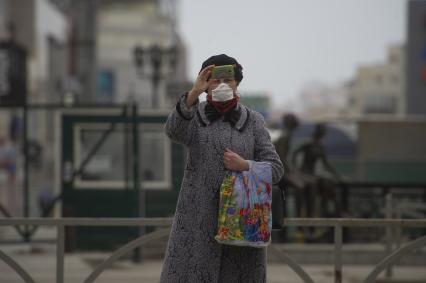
x,y
379,88
321,102
122,75
416,58
40,28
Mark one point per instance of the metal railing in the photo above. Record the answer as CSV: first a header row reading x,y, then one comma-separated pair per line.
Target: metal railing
x,y
165,223
338,225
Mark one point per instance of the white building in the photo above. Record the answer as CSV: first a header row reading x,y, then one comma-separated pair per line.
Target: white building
x,y
379,88
121,27
321,102
41,29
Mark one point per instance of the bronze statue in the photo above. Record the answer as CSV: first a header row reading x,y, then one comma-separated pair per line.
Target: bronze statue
x,y
317,193
313,151
282,146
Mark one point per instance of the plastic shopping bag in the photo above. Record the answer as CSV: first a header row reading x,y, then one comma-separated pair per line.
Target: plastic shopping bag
x,y
245,217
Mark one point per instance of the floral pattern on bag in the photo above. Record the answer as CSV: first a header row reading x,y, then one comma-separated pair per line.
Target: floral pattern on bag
x,y
245,216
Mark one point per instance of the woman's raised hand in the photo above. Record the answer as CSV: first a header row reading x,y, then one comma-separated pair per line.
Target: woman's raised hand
x,y
200,85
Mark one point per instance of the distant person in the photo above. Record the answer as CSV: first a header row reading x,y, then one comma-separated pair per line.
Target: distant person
x,y
15,128
221,136
8,164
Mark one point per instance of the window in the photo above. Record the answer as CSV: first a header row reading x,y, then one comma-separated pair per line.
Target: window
x,y
105,86
108,169
152,148
376,104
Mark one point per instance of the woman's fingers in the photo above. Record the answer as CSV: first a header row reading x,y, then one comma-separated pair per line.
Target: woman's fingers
x,y
206,71
230,159
229,152
231,156
227,160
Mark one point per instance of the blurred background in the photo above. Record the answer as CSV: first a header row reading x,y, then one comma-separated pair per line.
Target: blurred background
x,y
86,87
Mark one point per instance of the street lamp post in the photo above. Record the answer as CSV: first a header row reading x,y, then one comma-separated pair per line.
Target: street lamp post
x,y
157,56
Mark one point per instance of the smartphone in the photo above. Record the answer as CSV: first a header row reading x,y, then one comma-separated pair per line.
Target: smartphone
x,y
223,72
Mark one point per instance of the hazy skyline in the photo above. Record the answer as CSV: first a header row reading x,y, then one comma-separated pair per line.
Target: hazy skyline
x,y
284,44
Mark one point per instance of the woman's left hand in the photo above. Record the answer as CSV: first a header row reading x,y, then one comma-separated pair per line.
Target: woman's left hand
x,y
234,162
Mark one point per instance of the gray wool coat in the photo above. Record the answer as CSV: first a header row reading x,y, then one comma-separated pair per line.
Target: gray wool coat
x,y
192,253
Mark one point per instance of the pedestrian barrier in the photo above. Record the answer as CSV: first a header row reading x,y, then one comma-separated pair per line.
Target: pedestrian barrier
x,y
164,228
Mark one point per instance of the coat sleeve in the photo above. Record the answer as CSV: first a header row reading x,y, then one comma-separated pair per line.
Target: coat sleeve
x,y
180,125
264,150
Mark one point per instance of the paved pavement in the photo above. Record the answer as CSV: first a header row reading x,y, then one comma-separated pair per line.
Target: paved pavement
x,y
39,261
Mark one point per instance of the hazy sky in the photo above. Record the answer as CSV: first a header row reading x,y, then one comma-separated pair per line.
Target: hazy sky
x,y
284,44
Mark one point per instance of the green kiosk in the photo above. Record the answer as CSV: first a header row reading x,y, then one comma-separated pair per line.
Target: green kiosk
x,y
116,162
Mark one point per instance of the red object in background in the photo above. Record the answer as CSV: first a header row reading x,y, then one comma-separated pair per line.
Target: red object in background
x,y
424,21
423,73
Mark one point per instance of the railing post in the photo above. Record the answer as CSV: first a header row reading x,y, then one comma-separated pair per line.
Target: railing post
x,y
398,235
137,254
338,253
60,247
389,215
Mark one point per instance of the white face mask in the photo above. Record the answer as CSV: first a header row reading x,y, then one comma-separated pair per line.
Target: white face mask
x,y
222,93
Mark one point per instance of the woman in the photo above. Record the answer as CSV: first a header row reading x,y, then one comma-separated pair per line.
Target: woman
x,y
221,135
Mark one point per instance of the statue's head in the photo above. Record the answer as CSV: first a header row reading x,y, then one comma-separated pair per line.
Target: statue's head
x,y
290,122
319,131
